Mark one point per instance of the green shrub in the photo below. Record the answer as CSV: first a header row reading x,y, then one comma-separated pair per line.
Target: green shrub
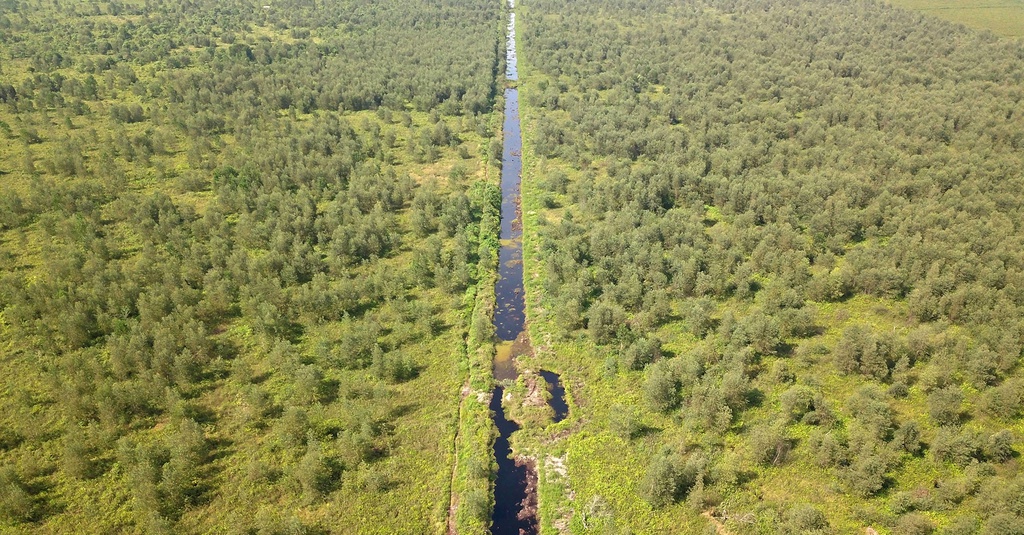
x,y
669,478
956,446
804,518
769,444
623,422
1004,524
961,525
999,446
914,524
16,504
796,402
945,405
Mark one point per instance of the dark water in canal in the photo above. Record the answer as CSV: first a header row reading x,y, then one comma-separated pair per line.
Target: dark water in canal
x,y
557,402
509,315
515,499
510,488
511,493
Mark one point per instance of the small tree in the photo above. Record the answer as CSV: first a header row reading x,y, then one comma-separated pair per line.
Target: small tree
x,y
495,152
623,422
316,473
763,332
9,438
828,449
76,457
866,475
769,444
804,518
908,438
797,401
661,389
915,524
945,405
16,504
1000,446
698,316
1004,524
293,426
641,353
662,484
955,446
603,320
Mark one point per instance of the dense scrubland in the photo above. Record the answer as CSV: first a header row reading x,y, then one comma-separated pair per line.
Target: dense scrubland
x,y
775,250
239,247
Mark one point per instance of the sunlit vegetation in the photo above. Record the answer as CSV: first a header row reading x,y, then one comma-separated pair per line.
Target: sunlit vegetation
x,y
247,256
775,250
239,250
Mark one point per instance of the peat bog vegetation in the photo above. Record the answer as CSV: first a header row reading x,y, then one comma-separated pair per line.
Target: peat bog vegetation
x,y
774,250
248,254
239,250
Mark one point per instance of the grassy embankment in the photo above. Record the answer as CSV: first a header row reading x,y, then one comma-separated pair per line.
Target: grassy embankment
x,y
473,477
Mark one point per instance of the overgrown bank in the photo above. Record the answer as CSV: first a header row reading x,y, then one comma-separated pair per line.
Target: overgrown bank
x,y
473,498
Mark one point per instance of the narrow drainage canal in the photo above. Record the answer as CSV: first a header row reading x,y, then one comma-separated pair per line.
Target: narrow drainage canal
x,y
515,490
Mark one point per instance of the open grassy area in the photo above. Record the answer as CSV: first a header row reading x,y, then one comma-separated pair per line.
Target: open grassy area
x,y
1002,17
